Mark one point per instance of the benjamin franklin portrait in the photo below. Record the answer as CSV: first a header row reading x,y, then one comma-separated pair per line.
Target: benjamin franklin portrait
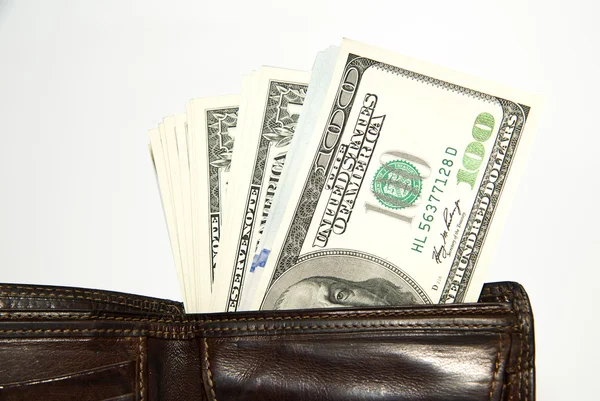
x,y
342,278
328,292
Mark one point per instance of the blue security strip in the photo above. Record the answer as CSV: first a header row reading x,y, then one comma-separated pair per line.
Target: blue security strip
x,y
260,260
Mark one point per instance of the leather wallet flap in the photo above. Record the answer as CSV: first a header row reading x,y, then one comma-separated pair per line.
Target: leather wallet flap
x,y
25,297
462,352
440,353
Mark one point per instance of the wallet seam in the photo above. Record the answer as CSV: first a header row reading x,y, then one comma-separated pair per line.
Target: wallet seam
x,y
208,371
359,326
141,367
69,297
7,288
186,333
497,367
517,300
515,295
470,311
524,339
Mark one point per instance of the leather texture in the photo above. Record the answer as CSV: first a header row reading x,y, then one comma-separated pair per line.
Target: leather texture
x,y
61,343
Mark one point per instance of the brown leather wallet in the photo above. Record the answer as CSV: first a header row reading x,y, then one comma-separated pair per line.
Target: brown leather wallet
x,y
60,343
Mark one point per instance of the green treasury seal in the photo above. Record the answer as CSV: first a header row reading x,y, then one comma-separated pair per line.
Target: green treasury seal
x,y
397,184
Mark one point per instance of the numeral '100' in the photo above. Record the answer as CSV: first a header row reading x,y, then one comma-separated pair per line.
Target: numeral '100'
x,y
474,153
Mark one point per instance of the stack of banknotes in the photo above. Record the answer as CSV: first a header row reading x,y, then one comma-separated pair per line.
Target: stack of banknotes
x,y
373,180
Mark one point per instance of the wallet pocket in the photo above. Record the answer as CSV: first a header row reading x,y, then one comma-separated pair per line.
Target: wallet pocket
x,y
69,369
378,366
433,354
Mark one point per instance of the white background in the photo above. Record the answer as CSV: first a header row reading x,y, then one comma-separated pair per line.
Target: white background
x,y
82,81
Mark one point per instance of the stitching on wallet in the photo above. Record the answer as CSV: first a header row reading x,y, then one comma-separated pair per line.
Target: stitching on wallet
x,y
92,292
510,385
141,350
497,368
73,297
524,333
508,293
511,296
520,319
473,311
356,326
85,296
184,333
208,372
515,295
465,311
527,325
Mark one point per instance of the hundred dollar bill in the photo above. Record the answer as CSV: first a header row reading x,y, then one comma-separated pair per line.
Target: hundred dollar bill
x,y
158,153
172,131
184,195
269,125
319,80
399,197
212,126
